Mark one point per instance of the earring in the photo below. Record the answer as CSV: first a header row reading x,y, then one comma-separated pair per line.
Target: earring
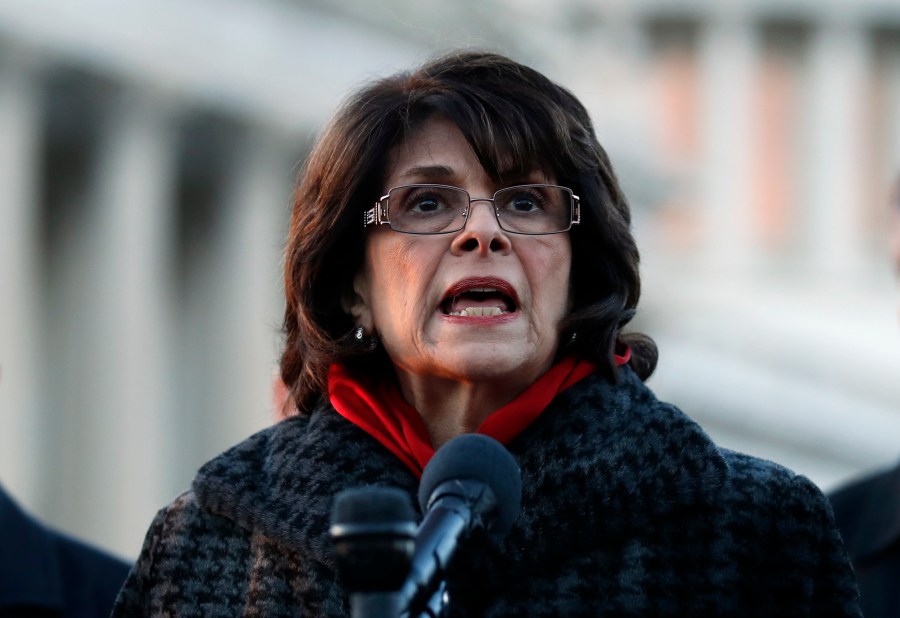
x,y
370,343
573,337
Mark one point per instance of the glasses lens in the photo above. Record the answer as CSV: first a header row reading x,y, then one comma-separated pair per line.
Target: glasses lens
x,y
534,209
427,209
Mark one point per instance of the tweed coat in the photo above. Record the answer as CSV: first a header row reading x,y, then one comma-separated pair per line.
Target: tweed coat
x,y
628,509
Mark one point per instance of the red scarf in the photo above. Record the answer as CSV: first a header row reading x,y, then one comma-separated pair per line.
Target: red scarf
x,y
379,409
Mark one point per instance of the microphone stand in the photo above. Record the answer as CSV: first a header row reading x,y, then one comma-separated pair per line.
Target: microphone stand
x,y
437,604
391,605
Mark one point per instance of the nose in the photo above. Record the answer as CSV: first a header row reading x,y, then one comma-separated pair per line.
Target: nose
x,y
482,232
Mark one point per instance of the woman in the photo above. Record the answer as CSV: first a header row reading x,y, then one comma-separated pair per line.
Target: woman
x,y
460,260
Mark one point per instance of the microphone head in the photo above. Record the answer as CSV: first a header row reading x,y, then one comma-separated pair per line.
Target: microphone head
x,y
475,457
371,505
373,530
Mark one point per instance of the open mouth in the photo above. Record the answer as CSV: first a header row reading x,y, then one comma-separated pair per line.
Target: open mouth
x,y
485,301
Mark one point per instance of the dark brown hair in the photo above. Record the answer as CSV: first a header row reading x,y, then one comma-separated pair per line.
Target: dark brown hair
x,y
514,118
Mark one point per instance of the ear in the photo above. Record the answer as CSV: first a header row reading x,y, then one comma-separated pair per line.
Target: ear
x,y
355,301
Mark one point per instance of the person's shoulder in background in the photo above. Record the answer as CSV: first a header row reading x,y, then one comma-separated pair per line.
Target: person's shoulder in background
x,y
46,573
867,512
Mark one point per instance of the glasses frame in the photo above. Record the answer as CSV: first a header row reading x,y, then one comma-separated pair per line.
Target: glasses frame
x,y
378,214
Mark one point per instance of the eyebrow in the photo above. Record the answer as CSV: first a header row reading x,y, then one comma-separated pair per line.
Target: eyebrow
x,y
445,173
428,172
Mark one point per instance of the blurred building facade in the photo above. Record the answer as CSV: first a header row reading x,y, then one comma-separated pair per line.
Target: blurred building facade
x,y
147,154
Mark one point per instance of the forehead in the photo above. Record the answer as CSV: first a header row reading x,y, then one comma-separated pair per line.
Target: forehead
x,y
437,152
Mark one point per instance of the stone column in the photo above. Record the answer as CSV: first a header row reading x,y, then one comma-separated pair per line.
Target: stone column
x,y
248,291
728,51
123,413
20,277
892,75
835,99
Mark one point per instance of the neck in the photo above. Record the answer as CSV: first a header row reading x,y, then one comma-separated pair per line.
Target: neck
x,y
450,408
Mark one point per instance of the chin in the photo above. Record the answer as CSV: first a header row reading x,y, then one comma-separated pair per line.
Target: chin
x,y
499,363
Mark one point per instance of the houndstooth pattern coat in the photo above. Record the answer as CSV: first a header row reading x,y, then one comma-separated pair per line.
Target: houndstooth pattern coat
x,y
628,509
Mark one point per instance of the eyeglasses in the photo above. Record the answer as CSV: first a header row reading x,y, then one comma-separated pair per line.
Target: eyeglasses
x,y
442,209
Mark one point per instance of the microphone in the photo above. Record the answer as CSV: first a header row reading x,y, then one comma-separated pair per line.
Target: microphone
x,y
373,531
471,483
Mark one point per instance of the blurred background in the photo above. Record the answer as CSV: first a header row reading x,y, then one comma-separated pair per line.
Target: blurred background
x,y
148,149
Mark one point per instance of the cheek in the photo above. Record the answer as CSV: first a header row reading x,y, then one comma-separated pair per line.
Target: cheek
x,y
558,269
554,277
400,275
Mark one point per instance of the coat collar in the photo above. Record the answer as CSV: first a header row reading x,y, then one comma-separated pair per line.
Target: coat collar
x,y
29,564
612,459
281,481
602,458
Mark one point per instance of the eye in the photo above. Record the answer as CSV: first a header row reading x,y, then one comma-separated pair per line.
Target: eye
x,y
426,201
523,201
425,204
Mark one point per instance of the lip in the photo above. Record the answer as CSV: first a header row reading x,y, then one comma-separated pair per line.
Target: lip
x,y
470,283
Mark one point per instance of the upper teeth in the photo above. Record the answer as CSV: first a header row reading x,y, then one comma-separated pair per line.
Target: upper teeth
x,y
479,311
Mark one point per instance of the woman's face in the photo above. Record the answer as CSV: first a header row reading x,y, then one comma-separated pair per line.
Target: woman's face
x,y
416,292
